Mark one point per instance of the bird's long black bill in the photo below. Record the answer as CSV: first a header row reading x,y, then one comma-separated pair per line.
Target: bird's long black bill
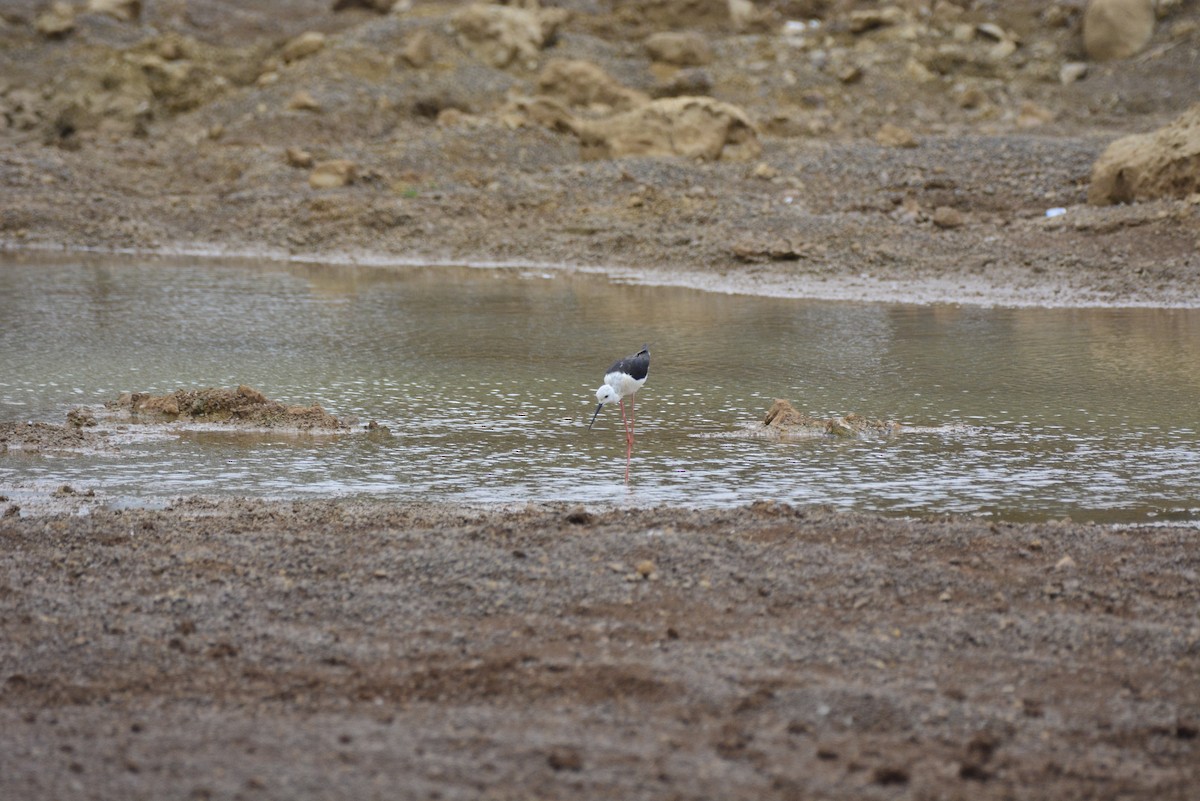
x,y
594,416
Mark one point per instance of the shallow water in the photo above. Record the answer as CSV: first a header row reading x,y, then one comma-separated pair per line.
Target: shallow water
x,y
486,379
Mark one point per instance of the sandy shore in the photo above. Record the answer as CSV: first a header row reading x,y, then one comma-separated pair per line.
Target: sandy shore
x,y
346,650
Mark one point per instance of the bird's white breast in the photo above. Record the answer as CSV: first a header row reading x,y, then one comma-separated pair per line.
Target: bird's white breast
x,y
623,383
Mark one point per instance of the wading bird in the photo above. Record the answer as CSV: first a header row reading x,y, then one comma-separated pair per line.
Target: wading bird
x,y
622,381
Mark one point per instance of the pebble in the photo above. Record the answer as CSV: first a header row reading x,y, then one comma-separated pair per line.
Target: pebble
x,y
298,157
303,101
57,21
890,135
333,174
303,46
1071,72
948,217
765,171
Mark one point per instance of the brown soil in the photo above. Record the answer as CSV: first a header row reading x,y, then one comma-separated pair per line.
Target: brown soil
x,y
342,650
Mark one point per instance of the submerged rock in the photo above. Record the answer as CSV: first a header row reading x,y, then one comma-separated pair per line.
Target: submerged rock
x,y
784,421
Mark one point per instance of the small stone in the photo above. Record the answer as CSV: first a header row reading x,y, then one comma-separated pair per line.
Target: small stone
x,y
645,568
56,22
1071,72
378,6
303,46
1032,115
565,758
970,97
947,217
171,48
765,171
298,157
890,135
869,19
918,72
81,417
945,597
682,49
579,516
333,174
303,101
849,73
418,49
992,31
123,10
1066,563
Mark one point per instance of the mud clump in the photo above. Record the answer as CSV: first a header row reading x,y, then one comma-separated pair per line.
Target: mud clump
x,y
785,421
243,405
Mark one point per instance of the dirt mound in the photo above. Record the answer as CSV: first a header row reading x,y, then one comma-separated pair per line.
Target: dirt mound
x,y
243,405
47,437
1160,164
784,421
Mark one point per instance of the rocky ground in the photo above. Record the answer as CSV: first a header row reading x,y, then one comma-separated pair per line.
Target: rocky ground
x,y
909,152
247,649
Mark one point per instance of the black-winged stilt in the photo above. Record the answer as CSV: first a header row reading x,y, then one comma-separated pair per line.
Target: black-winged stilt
x,y
623,380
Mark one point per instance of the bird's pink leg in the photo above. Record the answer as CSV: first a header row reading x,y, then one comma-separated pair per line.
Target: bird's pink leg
x,y
632,398
628,441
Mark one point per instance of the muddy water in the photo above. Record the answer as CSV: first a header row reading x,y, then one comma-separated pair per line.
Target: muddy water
x,y
485,379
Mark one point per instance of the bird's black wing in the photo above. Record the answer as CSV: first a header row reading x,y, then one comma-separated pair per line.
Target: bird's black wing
x,y
637,365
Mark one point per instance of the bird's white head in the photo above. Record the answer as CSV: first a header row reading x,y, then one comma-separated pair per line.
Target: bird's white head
x,y
606,394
